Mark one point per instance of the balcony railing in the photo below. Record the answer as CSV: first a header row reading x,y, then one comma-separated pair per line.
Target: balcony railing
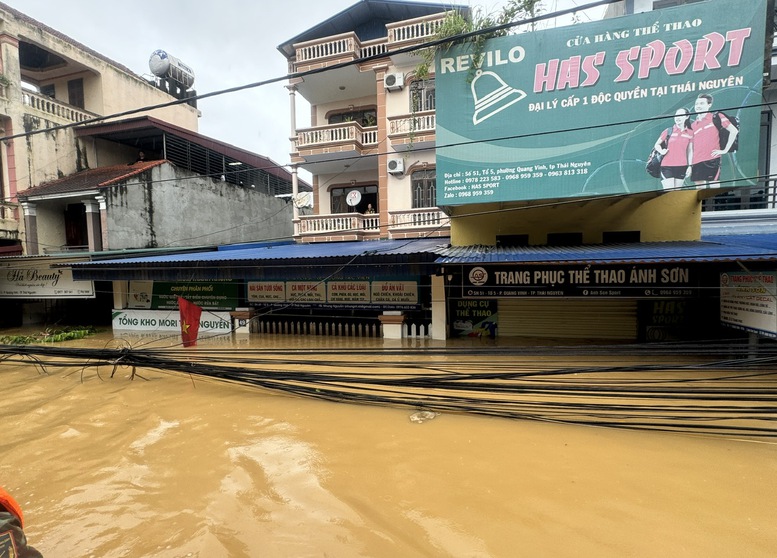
x,y
8,210
9,225
408,221
64,249
763,196
347,132
347,45
53,108
414,30
338,223
423,218
420,122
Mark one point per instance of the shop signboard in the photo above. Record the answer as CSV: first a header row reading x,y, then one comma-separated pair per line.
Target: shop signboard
x,y
43,283
579,280
160,295
473,318
748,301
575,111
363,293
167,321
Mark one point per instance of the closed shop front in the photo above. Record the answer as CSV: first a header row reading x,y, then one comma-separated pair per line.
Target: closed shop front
x,y
568,318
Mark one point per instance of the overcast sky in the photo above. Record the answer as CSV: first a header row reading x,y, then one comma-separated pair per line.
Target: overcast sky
x,y
228,43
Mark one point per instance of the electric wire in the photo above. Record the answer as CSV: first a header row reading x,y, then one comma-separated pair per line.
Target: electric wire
x,y
716,387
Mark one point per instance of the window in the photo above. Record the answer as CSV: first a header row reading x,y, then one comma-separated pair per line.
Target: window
x,y
618,237
369,196
512,240
48,90
75,92
75,226
422,95
424,185
565,239
365,117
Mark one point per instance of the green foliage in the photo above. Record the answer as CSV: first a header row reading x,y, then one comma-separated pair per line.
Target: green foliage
x,y
49,336
455,24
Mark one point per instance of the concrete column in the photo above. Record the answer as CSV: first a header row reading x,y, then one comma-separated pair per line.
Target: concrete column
x,y
120,294
295,193
93,229
383,181
392,322
293,109
439,308
30,227
103,221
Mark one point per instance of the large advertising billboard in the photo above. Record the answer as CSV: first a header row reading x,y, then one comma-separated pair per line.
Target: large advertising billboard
x,y
576,111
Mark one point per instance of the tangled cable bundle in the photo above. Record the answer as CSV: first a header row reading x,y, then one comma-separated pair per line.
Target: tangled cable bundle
x,y
720,388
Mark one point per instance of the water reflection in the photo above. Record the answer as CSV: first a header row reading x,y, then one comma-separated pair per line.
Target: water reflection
x,y
178,466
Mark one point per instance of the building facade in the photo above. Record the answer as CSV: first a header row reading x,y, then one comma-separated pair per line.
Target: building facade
x,y
75,182
369,145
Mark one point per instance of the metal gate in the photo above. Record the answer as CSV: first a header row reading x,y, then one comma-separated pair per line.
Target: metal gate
x,y
568,318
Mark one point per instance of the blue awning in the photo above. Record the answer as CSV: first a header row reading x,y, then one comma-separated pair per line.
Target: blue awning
x,y
241,262
729,248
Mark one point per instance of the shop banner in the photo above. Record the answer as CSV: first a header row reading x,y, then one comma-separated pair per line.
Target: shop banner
x,y
383,294
576,111
151,321
159,295
659,281
43,283
748,301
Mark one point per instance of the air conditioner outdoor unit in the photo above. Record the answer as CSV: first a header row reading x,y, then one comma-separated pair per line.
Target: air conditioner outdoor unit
x,y
394,82
396,166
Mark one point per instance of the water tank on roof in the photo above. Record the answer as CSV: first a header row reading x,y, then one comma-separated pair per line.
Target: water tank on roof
x,y
164,65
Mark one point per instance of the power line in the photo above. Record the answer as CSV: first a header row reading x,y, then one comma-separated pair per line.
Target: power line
x,y
357,61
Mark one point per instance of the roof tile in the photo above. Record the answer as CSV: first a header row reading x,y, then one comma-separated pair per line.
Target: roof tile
x,y
90,179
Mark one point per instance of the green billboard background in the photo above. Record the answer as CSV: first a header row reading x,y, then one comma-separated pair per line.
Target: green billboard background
x,y
575,111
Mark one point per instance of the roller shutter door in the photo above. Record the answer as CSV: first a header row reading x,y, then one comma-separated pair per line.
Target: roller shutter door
x,y
568,318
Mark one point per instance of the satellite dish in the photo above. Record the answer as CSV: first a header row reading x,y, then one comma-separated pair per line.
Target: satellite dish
x,y
353,198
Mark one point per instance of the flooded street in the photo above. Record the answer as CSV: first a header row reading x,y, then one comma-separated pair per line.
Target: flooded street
x,y
173,465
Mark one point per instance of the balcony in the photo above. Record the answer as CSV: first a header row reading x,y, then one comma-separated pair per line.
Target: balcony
x,y
336,227
413,31
334,143
54,110
408,223
346,47
415,131
413,223
9,223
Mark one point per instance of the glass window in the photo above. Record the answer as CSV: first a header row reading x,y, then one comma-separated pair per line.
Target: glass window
x,y
367,204
365,117
424,185
422,95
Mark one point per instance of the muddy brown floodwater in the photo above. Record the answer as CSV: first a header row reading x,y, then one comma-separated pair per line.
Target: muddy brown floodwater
x,y
175,466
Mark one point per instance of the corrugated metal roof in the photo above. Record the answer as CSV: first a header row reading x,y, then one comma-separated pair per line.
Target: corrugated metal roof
x,y
264,253
709,249
239,261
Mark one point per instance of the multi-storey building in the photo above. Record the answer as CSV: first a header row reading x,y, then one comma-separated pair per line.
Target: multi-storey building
x,y
370,141
555,228
75,181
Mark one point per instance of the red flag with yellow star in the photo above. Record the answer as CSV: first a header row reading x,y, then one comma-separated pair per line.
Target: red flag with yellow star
x,y
190,321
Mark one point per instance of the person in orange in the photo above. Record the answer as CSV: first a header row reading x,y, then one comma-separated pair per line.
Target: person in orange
x,y
13,543
673,144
